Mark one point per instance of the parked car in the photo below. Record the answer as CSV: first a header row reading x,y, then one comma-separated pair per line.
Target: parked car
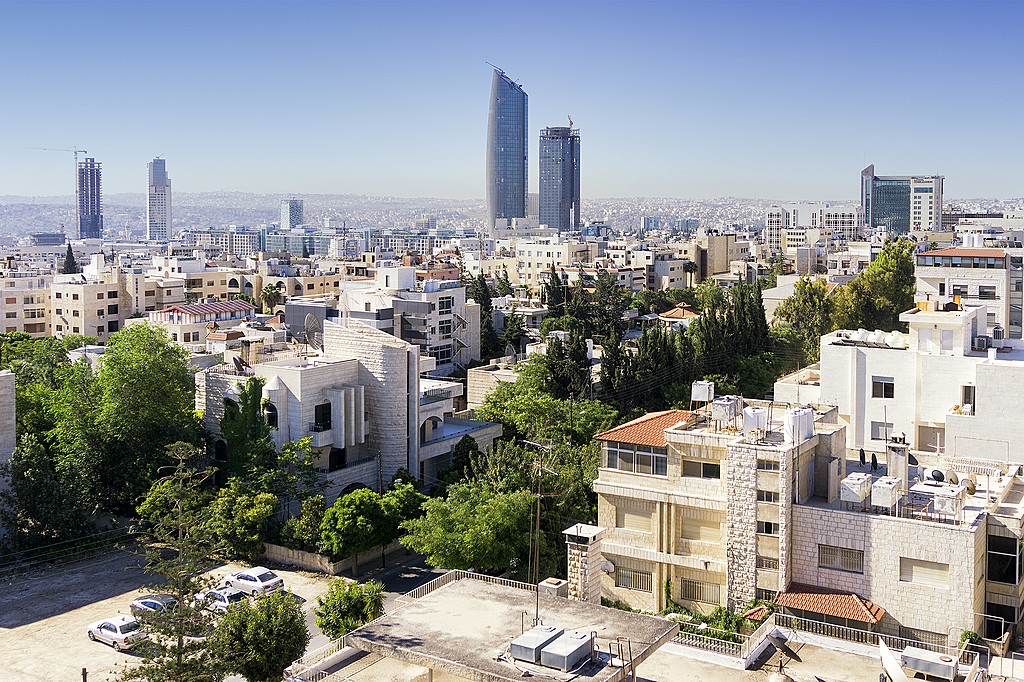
x,y
153,603
120,632
220,598
256,580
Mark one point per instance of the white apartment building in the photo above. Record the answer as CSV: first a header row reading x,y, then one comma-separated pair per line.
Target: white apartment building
x,y
990,278
788,226
535,258
189,324
941,385
360,400
25,301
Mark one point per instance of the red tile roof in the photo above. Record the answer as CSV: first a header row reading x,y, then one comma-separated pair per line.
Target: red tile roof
x,y
648,429
968,253
830,603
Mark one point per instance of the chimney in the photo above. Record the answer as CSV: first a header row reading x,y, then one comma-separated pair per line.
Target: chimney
x,y
583,543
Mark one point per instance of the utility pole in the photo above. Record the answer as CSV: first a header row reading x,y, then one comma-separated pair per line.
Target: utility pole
x,y
534,569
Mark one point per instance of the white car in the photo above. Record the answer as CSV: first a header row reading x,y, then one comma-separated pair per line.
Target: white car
x,y
121,632
220,598
256,580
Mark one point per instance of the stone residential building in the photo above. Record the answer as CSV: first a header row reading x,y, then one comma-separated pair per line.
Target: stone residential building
x,y
25,301
190,323
360,400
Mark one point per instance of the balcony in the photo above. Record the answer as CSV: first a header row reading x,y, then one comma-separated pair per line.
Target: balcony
x,y
435,395
321,434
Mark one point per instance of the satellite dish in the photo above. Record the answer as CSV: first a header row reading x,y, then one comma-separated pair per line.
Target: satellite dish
x,y
239,367
911,460
313,331
937,475
971,487
779,640
951,477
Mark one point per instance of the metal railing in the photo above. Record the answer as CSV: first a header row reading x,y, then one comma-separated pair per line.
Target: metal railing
x,y
319,427
452,576
435,395
711,643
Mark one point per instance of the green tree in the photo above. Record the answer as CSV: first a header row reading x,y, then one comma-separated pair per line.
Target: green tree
x,y
809,312
474,527
355,523
553,293
347,605
887,288
303,531
515,333
259,639
177,547
270,296
490,344
609,302
305,249
146,402
248,439
39,504
502,285
70,266
239,520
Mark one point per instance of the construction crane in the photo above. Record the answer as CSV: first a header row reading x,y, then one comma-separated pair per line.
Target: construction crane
x,y
76,151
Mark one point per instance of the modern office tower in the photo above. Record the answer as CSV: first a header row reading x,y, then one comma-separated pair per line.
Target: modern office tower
x,y
560,178
648,223
506,150
158,202
291,213
901,203
90,213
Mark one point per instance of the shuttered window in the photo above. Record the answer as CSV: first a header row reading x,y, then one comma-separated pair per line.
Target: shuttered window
x,y
702,530
841,558
923,572
633,519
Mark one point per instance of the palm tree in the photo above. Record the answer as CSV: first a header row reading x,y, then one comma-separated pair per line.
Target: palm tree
x,y
690,268
269,298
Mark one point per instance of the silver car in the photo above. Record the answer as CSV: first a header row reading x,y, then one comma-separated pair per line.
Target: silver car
x,y
255,580
220,598
121,632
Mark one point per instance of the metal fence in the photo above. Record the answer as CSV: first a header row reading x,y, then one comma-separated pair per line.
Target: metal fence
x,y
452,576
709,642
68,551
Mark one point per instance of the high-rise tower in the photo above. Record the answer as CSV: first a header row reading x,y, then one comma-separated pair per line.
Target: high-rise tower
x,y
560,178
506,150
90,213
291,213
158,202
901,203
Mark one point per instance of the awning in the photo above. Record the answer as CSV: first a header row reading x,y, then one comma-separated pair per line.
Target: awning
x,y
830,603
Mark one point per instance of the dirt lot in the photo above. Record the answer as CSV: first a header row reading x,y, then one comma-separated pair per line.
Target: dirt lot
x,y
43,618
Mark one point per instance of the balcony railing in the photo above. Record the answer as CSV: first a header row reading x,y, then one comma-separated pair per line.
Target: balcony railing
x,y
319,427
435,395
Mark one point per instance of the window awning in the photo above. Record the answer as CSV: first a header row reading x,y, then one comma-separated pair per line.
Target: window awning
x,y
830,603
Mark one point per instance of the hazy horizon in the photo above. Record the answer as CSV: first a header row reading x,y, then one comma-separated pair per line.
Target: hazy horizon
x,y
674,99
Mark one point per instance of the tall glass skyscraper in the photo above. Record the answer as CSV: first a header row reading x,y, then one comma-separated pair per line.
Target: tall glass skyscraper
x,y
291,213
158,202
901,203
506,150
560,178
90,213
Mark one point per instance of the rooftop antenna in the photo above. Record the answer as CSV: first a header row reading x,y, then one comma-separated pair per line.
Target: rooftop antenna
x,y
496,68
313,332
570,121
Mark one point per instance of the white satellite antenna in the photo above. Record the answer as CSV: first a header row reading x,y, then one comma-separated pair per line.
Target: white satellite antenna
x,y
313,332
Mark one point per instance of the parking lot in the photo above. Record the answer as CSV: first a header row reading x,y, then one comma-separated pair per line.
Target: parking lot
x,y
44,616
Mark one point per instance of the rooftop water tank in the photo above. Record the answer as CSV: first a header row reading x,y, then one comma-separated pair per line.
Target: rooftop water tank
x,y
755,419
798,424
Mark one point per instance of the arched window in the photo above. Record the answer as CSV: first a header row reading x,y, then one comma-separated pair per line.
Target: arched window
x,y
270,414
220,451
231,410
233,283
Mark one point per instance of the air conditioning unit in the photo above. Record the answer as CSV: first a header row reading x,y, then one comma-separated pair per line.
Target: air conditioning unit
x,y
980,343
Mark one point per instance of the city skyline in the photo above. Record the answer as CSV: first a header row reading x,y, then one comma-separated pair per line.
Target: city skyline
x,y
392,96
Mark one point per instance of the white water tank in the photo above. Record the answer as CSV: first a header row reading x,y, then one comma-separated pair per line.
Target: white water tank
x,y
860,336
798,424
886,491
754,419
855,488
877,336
896,339
725,408
702,391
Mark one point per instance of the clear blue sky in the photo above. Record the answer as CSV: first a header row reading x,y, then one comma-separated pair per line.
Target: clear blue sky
x,y
685,99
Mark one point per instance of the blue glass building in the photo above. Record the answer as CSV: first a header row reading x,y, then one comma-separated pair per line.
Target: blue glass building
x,y
901,203
560,178
506,150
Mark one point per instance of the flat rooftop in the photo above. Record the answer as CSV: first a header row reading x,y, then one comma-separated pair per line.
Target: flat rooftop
x,y
465,628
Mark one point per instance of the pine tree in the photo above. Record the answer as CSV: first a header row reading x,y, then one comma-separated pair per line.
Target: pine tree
x,y
70,264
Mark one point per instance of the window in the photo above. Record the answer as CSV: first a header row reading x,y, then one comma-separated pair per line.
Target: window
x,y
700,529
942,288
695,590
840,559
75,313
641,459
74,297
880,430
336,459
60,328
445,328
112,309
75,330
113,326
99,296
445,305
56,294
767,496
767,528
701,469
633,519
631,579
767,563
1004,560
10,300
100,330
767,465
967,395
111,294
765,595
930,573
270,414
882,387
958,289
987,293
321,417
